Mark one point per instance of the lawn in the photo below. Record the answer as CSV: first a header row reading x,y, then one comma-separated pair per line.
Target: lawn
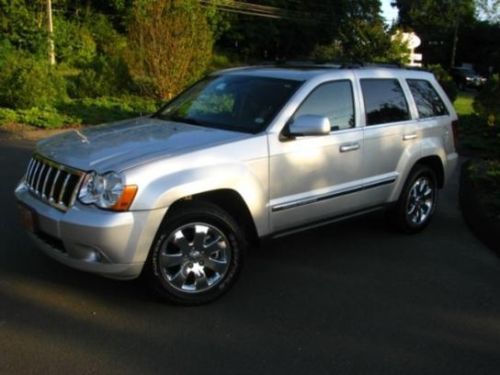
x,y
463,103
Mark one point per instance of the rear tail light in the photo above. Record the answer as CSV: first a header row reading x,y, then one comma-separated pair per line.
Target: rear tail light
x,y
454,126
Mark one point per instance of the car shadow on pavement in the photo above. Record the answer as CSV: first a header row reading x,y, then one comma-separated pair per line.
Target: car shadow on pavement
x,y
345,298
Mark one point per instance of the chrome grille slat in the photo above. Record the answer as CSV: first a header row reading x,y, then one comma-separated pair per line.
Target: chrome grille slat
x,y
56,178
44,186
63,189
37,188
33,176
53,183
30,167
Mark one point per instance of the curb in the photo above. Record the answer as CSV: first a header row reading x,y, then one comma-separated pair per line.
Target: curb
x,y
474,214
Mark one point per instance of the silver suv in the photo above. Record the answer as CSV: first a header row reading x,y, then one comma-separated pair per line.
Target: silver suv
x,y
243,154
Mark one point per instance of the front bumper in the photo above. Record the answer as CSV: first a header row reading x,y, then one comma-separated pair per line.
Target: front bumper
x,y
112,244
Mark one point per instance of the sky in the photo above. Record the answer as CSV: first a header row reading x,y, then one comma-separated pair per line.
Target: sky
x,y
389,12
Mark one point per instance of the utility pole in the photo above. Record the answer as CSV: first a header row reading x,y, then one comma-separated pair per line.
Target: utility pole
x,y
455,42
50,30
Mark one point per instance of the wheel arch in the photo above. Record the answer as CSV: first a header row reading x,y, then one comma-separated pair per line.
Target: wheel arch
x,y
435,163
227,199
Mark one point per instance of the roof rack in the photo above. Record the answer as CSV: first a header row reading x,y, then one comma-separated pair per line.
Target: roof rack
x,y
308,64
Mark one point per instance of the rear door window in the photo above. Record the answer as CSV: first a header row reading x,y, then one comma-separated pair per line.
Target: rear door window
x,y
384,100
427,100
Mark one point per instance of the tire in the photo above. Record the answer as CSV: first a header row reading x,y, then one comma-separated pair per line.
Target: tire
x,y
197,254
417,202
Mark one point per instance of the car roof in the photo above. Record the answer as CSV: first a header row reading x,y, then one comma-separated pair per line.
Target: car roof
x,y
306,72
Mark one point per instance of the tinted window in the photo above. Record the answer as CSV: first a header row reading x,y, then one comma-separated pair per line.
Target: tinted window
x,y
384,101
428,102
333,100
234,102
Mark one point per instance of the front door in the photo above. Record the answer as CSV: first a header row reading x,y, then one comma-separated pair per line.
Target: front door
x,y
317,177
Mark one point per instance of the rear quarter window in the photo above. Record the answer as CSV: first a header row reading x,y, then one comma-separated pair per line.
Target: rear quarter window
x,y
384,100
427,100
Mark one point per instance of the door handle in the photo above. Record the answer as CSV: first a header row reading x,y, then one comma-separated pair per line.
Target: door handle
x,y
349,147
408,137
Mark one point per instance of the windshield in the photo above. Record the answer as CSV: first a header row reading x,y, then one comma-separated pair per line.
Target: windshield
x,y
233,102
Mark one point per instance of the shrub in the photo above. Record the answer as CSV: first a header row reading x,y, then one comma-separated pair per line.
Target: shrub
x,y
74,43
170,45
42,118
487,102
445,80
107,109
27,82
105,76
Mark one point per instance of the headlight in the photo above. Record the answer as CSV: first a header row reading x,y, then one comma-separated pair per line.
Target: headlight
x,y
107,191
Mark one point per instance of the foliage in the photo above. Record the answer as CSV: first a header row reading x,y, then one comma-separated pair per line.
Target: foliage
x,y
29,82
103,76
438,23
463,104
443,14
489,10
20,26
170,44
333,51
42,118
74,43
486,176
445,80
487,102
80,111
105,109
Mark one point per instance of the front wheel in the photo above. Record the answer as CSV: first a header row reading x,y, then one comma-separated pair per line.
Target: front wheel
x,y
417,202
197,254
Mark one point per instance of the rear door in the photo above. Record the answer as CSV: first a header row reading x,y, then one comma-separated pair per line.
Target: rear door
x,y
390,133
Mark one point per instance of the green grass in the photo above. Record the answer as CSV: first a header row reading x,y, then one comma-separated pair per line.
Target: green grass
x,y
463,104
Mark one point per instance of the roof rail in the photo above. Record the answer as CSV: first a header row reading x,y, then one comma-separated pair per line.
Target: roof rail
x,y
311,64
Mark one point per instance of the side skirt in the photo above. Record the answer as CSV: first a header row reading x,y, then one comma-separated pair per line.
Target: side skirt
x,y
327,221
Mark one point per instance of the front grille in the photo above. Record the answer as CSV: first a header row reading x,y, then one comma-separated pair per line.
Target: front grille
x,y
53,183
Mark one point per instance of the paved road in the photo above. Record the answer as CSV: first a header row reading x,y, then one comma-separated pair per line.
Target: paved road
x,y
350,298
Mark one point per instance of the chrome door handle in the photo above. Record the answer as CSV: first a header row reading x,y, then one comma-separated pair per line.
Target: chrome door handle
x,y
408,137
349,147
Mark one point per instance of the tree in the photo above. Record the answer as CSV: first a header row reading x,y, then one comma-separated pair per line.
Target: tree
x,y
489,10
170,44
350,29
433,18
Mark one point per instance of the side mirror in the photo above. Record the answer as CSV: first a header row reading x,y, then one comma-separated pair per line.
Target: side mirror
x,y
310,125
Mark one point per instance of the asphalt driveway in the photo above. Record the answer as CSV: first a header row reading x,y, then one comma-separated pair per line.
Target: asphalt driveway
x,y
350,298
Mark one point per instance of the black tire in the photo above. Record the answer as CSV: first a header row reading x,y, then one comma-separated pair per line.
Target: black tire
x,y
189,219
402,217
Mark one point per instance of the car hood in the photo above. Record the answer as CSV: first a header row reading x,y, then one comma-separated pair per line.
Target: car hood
x,y
120,145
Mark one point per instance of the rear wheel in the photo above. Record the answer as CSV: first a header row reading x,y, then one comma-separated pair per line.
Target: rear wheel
x,y
417,202
197,254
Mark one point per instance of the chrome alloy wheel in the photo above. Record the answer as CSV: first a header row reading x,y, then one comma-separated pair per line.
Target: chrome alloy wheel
x,y
195,257
420,200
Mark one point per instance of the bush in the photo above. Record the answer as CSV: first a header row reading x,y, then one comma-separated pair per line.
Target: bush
x,y
107,109
105,76
42,118
27,82
74,43
487,102
445,80
170,45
